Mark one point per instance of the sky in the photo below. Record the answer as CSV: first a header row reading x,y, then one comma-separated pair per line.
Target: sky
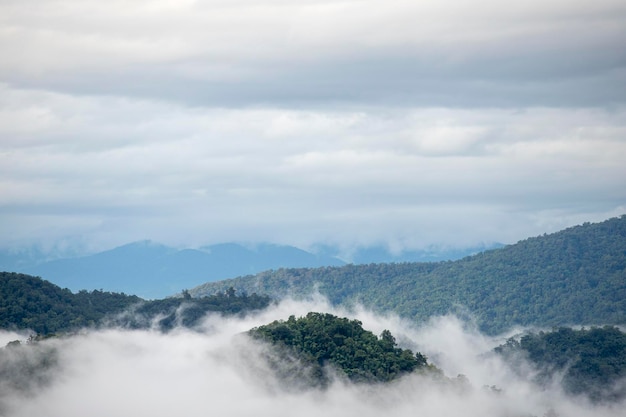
x,y
351,123
215,369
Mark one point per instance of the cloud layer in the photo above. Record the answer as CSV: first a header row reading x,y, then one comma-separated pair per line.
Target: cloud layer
x,y
231,53
351,123
126,373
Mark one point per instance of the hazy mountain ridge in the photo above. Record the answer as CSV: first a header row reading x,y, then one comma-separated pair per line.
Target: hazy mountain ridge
x,y
575,276
383,254
153,270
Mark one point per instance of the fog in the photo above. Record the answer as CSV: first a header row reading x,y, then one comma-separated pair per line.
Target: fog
x,y
215,370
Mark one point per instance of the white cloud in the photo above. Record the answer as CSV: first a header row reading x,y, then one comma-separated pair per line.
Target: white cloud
x,y
155,169
350,122
233,53
125,373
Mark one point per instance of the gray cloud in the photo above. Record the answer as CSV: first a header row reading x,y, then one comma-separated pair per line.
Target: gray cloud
x,y
339,122
274,53
154,169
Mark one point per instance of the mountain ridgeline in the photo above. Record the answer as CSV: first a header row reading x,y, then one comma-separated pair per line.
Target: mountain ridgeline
x,y
575,276
152,270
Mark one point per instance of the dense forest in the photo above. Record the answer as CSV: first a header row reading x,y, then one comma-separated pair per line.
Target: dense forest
x,y
576,276
320,339
28,302
587,361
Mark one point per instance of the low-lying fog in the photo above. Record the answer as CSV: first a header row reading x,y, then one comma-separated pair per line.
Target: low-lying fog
x,y
216,371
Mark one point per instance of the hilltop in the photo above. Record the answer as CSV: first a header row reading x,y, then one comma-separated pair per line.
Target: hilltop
x,y
322,340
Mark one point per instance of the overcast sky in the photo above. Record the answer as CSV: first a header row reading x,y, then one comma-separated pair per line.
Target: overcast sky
x,y
406,123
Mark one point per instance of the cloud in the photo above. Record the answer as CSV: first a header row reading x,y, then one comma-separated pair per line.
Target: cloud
x,y
337,122
216,370
135,169
273,52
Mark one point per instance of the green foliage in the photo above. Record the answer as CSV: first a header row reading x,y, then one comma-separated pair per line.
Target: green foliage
x,y
576,276
591,361
28,302
321,339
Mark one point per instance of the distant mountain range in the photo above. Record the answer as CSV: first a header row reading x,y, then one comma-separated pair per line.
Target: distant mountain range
x,y
572,277
152,270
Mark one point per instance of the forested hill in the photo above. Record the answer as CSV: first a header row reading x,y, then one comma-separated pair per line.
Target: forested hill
x,y
28,302
586,361
321,339
576,276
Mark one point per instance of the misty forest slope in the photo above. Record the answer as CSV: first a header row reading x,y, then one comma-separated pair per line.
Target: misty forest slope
x,y
28,302
586,361
31,303
575,276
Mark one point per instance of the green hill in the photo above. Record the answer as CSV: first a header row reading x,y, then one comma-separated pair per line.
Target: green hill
x,y
575,276
321,339
28,302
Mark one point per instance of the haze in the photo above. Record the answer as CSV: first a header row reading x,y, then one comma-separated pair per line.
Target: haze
x,y
352,123
217,370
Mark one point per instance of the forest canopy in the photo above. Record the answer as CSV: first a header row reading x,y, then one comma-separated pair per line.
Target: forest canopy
x,y
322,339
586,361
31,303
